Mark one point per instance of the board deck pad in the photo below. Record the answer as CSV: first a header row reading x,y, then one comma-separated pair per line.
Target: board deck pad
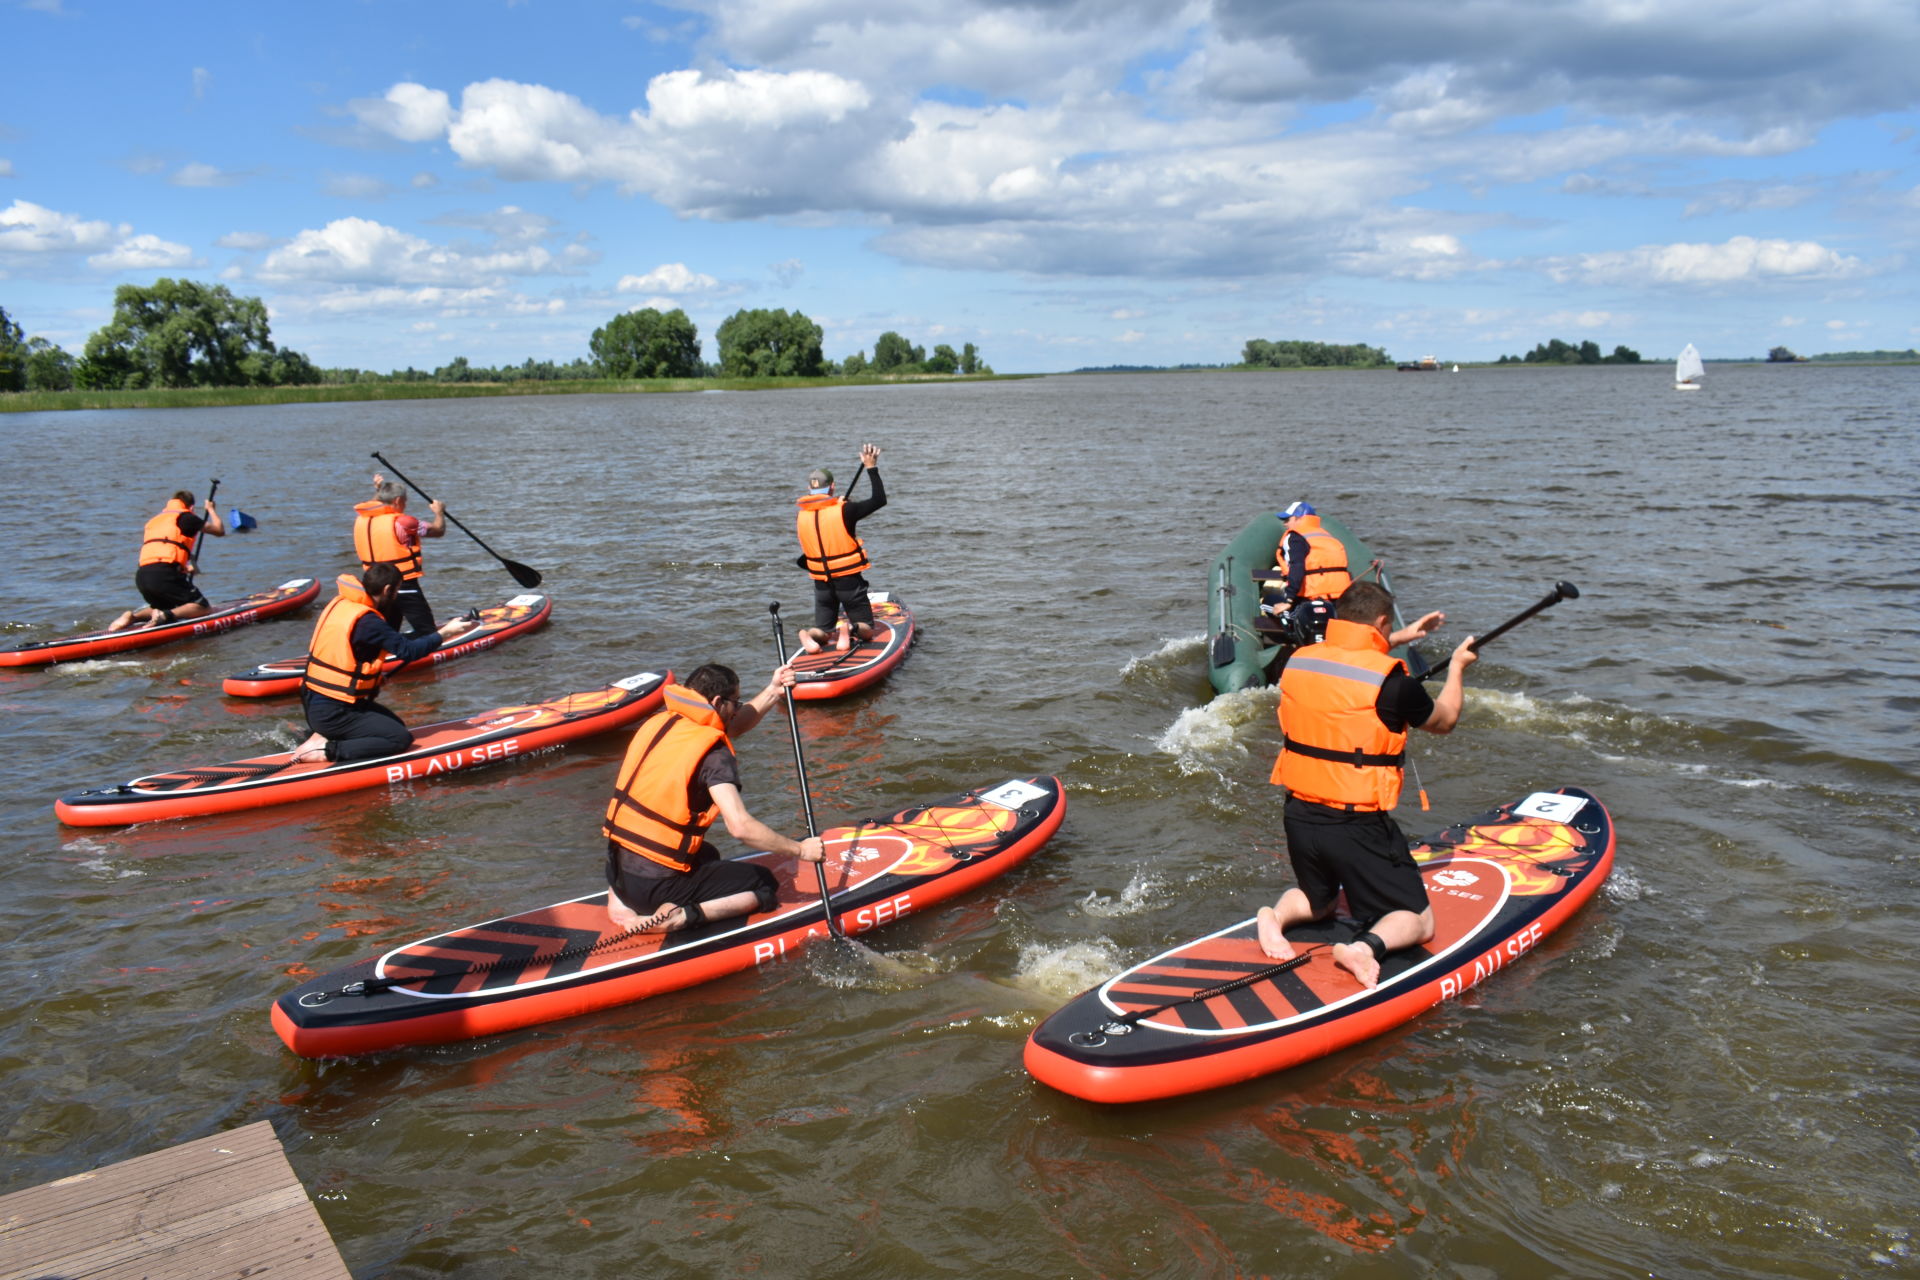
x,y
568,958
490,737
223,617
521,614
832,673
1497,884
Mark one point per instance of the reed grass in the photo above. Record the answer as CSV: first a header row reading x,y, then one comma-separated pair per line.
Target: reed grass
x,y
220,397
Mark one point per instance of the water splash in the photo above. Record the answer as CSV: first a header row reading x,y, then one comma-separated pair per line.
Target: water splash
x,y
1207,739
1175,653
1065,970
1142,893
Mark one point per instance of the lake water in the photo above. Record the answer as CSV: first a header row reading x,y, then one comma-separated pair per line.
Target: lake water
x,y
1711,1071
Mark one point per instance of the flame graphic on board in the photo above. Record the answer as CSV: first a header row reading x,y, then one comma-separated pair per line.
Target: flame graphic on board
x,y
1523,847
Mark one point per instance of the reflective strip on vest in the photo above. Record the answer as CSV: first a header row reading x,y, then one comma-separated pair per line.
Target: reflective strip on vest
x,y
375,542
1335,749
828,549
649,813
163,542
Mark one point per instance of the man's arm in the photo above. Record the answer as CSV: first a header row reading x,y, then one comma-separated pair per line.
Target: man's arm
x,y
854,511
755,834
438,529
1428,624
1296,558
749,713
1446,707
213,523
372,633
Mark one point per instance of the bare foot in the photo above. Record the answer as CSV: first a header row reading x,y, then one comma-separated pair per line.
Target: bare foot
x,y
1272,940
623,916
1357,958
809,640
665,920
843,640
122,622
314,748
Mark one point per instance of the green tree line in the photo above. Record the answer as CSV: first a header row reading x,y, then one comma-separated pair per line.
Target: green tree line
x,y
180,333
1555,351
1296,354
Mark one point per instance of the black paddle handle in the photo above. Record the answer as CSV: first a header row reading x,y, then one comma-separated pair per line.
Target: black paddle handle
x,y
213,487
800,768
1561,591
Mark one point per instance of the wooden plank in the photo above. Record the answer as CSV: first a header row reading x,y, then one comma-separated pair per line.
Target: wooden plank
x,y
224,1205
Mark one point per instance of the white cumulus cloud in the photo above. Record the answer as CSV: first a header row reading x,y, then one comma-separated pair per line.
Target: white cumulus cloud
x,y
362,251
1741,260
670,278
142,253
26,227
409,112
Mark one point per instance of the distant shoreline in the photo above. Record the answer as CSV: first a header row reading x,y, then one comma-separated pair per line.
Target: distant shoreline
x,y
347,392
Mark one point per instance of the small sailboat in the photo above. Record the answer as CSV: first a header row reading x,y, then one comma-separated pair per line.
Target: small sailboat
x,y
1687,370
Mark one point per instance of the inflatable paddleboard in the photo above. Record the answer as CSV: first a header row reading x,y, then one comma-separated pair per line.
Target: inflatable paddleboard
x,y
1217,1010
568,959
832,673
491,737
498,622
99,644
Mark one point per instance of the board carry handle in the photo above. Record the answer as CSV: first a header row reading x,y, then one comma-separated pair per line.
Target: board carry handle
x,y
800,767
1126,1022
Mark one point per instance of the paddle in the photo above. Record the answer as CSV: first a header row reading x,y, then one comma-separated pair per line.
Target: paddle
x,y
800,767
522,574
1561,591
1225,648
193,557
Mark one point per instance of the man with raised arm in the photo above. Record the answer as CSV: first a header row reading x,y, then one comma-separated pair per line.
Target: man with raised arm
x,y
836,559
383,533
680,774
1345,710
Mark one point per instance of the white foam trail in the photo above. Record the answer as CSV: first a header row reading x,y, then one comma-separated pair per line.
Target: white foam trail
x,y
1142,893
1065,971
1173,652
1203,739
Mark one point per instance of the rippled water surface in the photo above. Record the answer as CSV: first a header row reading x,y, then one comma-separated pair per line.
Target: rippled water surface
x,y
1709,1072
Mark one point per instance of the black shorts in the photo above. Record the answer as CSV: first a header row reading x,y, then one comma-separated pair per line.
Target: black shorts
x,y
414,609
1365,854
647,886
836,594
166,586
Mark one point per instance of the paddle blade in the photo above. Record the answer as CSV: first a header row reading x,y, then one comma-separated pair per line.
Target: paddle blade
x,y
1224,649
525,575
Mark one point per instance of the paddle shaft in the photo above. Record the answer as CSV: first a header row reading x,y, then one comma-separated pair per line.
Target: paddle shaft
x,y
213,487
800,768
525,576
1561,591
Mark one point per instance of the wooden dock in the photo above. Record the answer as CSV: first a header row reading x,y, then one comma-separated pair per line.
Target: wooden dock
x,y
225,1205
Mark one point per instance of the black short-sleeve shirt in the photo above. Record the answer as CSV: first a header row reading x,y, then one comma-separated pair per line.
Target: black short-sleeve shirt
x,y
716,767
1403,703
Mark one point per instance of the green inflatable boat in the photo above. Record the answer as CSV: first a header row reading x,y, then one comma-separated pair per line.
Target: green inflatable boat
x,y
1244,648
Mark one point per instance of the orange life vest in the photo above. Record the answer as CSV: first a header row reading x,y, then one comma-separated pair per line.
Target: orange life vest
x,y
164,543
1327,574
375,542
830,550
650,812
1334,750
332,670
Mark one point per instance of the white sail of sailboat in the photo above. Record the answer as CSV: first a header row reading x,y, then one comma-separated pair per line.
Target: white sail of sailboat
x,y
1687,370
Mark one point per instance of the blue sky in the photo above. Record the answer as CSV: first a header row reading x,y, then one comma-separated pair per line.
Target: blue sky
x,y
1062,182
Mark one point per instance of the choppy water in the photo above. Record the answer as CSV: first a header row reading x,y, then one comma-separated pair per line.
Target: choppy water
x,y
1709,1072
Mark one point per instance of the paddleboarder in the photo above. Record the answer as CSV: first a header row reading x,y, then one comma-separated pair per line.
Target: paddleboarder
x,y
835,558
165,576
344,661
383,533
1345,710
680,774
